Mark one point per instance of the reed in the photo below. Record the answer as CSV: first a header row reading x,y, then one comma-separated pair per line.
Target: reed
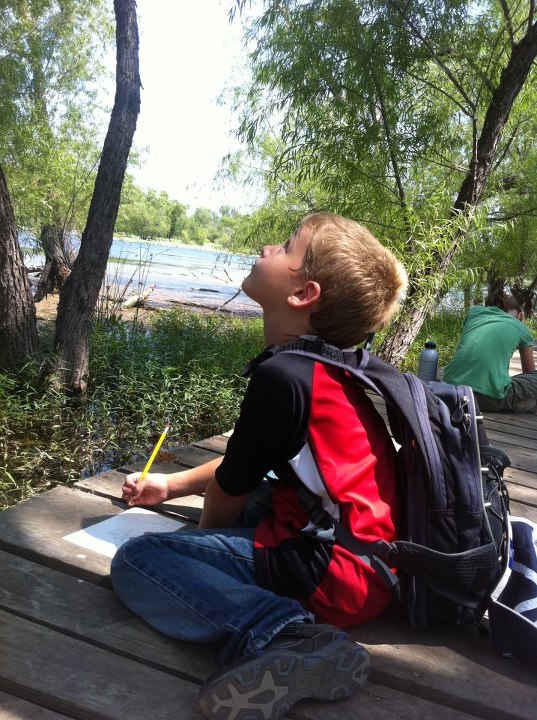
x,y
183,367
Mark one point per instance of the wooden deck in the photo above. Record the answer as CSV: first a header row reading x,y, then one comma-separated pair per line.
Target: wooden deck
x,y
69,649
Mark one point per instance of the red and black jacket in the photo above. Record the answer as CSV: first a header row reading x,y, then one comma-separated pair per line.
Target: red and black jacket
x,y
309,422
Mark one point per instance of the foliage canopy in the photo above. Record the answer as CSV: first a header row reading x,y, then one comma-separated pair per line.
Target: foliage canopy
x,y
50,66
401,115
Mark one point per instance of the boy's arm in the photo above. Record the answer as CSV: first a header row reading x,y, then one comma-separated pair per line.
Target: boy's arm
x,y
155,488
193,480
221,510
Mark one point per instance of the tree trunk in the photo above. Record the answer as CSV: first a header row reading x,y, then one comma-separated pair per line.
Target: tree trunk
x,y
396,344
525,296
56,271
78,298
18,327
418,306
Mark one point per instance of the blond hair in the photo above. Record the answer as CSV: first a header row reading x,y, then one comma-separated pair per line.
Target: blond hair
x,y
361,281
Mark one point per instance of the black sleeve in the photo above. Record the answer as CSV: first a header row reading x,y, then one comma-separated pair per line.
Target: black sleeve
x,y
272,424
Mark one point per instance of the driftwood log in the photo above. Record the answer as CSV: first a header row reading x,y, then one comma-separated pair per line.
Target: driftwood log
x,y
137,300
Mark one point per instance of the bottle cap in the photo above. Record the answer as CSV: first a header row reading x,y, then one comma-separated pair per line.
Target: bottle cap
x,y
430,344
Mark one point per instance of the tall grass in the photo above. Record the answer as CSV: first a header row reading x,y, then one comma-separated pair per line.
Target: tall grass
x,y
184,368
444,329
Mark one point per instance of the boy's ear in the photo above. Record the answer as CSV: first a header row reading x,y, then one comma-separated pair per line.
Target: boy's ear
x,y
305,295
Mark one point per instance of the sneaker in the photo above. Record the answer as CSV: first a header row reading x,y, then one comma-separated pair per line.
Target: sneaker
x,y
303,661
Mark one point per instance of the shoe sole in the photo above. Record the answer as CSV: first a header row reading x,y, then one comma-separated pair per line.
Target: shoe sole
x,y
267,687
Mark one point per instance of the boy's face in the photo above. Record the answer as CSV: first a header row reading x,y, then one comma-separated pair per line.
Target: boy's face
x,y
275,274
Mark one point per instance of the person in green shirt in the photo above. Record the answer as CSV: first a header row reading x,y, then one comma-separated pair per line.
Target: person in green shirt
x,y
490,336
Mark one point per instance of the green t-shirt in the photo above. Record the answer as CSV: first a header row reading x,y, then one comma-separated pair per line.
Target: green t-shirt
x,y
489,338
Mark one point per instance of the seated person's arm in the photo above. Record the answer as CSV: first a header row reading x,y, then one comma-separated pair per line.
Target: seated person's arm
x,y
221,510
158,487
527,359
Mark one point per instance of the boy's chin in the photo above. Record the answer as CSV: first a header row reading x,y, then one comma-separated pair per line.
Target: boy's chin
x,y
247,288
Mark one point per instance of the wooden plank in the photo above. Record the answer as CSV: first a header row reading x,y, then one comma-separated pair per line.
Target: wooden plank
x,y
94,614
187,457
35,528
13,708
521,494
82,681
216,443
378,703
82,610
455,667
107,484
87,683
501,437
508,419
511,425
526,511
521,477
189,508
87,612
413,672
416,662
521,459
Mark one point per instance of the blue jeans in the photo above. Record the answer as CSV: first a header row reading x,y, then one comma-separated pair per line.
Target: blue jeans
x,y
201,586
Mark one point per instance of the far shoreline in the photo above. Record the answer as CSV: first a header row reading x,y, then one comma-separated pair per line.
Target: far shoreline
x,y
207,247
161,301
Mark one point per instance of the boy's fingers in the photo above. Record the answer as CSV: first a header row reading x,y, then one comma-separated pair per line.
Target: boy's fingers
x,y
134,495
137,491
131,479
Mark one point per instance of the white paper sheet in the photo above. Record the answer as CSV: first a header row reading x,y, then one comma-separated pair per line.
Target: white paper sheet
x,y
107,536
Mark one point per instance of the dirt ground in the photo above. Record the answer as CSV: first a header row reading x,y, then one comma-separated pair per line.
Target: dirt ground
x,y
47,308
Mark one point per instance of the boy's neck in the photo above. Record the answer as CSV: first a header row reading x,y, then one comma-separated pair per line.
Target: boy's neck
x,y
278,333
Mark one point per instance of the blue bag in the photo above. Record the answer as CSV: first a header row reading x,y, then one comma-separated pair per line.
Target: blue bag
x,y
513,605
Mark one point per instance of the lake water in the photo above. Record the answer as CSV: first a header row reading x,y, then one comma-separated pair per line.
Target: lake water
x,y
186,273
179,273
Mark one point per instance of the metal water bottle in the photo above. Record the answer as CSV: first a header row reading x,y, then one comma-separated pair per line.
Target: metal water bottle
x,y
428,362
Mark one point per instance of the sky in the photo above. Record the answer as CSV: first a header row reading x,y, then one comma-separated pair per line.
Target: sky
x,y
188,53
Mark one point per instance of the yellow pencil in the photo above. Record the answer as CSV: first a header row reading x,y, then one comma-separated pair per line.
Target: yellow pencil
x,y
154,453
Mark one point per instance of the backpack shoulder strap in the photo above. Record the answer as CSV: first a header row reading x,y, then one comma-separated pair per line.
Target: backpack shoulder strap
x,y
403,393
352,362
367,552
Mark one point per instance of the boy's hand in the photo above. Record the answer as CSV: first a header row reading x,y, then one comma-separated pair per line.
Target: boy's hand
x,y
152,490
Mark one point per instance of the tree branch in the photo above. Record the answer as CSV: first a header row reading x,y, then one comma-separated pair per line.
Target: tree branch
x,y
441,90
508,20
530,212
434,55
511,82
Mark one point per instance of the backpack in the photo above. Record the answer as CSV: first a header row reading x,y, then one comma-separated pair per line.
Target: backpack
x,y
451,550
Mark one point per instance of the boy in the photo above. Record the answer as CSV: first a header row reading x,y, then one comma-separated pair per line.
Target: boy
x,y
261,591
